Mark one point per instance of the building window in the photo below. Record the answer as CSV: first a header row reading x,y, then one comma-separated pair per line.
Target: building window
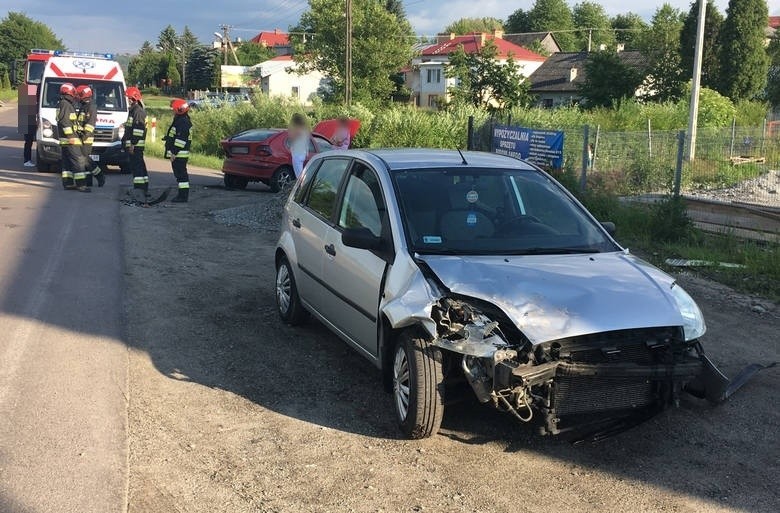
x,y
295,92
434,76
433,100
548,103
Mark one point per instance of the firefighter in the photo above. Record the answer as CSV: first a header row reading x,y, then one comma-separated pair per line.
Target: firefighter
x,y
135,138
178,140
73,175
87,117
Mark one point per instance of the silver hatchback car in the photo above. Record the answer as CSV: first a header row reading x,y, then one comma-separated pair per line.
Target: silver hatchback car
x,y
443,267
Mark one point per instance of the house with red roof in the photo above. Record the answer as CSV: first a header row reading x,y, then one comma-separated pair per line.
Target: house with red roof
x,y
278,40
426,77
772,27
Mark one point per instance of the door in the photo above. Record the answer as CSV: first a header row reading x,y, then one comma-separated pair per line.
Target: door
x,y
311,220
353,277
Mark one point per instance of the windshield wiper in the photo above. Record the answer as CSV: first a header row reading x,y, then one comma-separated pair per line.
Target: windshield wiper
x,y
553,251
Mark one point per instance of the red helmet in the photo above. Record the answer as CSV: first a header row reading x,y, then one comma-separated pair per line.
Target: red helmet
x,y
67,89
133,93
180,107
84,92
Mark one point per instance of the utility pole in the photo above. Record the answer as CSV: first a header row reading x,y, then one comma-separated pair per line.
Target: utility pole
x,y
590,38
348,57
225,41
696,84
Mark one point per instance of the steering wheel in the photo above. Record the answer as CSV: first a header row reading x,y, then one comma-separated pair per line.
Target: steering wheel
x,y
525,225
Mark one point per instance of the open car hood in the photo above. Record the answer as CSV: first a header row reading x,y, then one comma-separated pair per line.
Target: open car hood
x,y
550,297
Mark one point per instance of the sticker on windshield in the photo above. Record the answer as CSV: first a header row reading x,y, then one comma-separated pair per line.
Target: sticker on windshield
x,y
471,219
472,196
431,239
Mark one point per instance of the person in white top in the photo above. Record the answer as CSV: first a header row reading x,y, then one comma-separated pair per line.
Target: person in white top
x,y
298,137
342,137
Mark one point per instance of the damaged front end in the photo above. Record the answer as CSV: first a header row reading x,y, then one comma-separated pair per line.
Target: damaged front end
x,y
590,386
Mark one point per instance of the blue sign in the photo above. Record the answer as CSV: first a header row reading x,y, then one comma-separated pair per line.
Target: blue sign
x,y
542,147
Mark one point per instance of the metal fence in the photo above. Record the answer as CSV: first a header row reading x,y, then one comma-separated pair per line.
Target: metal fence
x,y
734,164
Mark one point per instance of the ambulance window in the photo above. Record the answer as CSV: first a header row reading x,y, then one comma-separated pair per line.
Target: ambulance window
x,y
35,72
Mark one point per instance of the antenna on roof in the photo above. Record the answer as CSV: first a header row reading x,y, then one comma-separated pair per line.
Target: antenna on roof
x,y
462,157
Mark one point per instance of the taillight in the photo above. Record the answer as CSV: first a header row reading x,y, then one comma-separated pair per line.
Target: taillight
x,y
263,151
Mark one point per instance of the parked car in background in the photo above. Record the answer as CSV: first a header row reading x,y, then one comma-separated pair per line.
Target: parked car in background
x,y
445,268
218,100
263,155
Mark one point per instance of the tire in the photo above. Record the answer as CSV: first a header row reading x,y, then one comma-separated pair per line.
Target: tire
x,y
417,368
235,182
282,178
288,303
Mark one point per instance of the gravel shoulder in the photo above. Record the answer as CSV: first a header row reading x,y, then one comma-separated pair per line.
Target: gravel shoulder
x,y
232,411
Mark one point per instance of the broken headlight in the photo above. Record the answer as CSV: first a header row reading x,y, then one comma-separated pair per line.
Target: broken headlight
x,y
693,320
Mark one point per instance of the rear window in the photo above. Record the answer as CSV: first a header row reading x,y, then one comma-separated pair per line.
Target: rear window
x,y
35,71
108,96
254,135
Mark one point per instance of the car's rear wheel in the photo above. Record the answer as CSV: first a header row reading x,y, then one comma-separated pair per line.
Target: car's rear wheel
x,y
235,182
417,386
287,301
282,178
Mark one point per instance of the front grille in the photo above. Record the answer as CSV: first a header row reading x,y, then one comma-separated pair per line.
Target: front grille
x,y
574,395
104,135
640,346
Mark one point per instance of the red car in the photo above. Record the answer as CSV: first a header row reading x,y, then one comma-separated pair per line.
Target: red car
x,y
263,155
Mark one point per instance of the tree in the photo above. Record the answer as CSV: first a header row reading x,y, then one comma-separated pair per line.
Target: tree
x,y
742,50
396,7
382,44
19,33
146,48
590,15
188,42
608,80
710,61
661,46
518,22
629,29
168,39
554,15
201,67
172,72
773,81
482,81
469,25
250,54
147,68
5,81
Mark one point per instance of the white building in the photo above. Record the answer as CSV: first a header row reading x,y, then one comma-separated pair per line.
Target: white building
x,y
426,77
279,77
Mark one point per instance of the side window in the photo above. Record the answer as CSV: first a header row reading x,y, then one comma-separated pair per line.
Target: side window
x,y
363,205
325,186
303,187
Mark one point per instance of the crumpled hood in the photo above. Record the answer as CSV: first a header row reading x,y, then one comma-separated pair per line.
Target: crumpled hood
x,y
550,297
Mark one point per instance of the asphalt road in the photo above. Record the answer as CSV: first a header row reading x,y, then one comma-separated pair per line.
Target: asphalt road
x,y
63,360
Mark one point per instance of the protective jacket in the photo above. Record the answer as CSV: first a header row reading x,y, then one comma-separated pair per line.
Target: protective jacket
x,y
178,139
135,127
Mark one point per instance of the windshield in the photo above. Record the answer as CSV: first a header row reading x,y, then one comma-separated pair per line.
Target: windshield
x,y
35,71
108,96
493,211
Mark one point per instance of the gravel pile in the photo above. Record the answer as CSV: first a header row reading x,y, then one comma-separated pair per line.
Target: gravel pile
x,y
762,190
263,215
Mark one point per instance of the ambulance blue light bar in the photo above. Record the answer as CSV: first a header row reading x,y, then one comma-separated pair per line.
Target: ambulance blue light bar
x,y
89,55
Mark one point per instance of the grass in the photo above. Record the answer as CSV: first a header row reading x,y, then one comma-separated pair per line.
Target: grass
x,y
154,102
7,95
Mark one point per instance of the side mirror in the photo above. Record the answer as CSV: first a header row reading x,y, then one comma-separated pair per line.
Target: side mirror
x,y
360,238
610,227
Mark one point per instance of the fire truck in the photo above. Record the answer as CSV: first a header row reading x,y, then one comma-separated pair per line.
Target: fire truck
x,y
44,72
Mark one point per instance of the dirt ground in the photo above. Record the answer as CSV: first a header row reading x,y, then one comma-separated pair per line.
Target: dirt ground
x,y
230,410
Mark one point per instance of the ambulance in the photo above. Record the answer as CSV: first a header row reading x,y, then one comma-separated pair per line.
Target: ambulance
x,y
45,71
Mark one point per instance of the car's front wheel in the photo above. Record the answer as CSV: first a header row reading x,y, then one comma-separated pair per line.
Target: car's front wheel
x,y
417,386
287,301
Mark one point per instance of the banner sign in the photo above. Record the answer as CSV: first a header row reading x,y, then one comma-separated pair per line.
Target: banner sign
x,y
542,147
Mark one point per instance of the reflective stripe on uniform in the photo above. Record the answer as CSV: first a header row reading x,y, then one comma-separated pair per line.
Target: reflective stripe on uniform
x,y
138,131
179,143
72,116
67,130
184,185
89,140
89,128
67,174
140,144
172,132
140,179
183,154
80,176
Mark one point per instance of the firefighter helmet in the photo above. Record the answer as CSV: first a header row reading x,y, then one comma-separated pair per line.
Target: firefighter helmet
x,y
84,92
133,93
180,107
67,89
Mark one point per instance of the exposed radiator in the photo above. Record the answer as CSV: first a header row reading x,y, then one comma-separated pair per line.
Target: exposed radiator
x,y
573,395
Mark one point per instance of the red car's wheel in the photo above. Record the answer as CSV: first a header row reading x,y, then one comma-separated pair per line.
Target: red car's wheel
x,y
283,178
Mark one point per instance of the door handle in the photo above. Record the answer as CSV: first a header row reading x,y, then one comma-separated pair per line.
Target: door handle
x,y
296,222
330,249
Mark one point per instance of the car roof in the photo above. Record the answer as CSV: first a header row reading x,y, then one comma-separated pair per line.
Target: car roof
x,y
417,158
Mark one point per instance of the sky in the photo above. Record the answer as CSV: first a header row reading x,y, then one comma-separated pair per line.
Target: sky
x,y
107,26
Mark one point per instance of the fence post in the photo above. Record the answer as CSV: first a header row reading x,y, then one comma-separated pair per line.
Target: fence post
x,y
585,159
678,169
649,139
595,149
763,137
509,119
470,134
733,134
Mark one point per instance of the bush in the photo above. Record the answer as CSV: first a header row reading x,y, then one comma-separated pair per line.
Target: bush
x,y
151,91
669,221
